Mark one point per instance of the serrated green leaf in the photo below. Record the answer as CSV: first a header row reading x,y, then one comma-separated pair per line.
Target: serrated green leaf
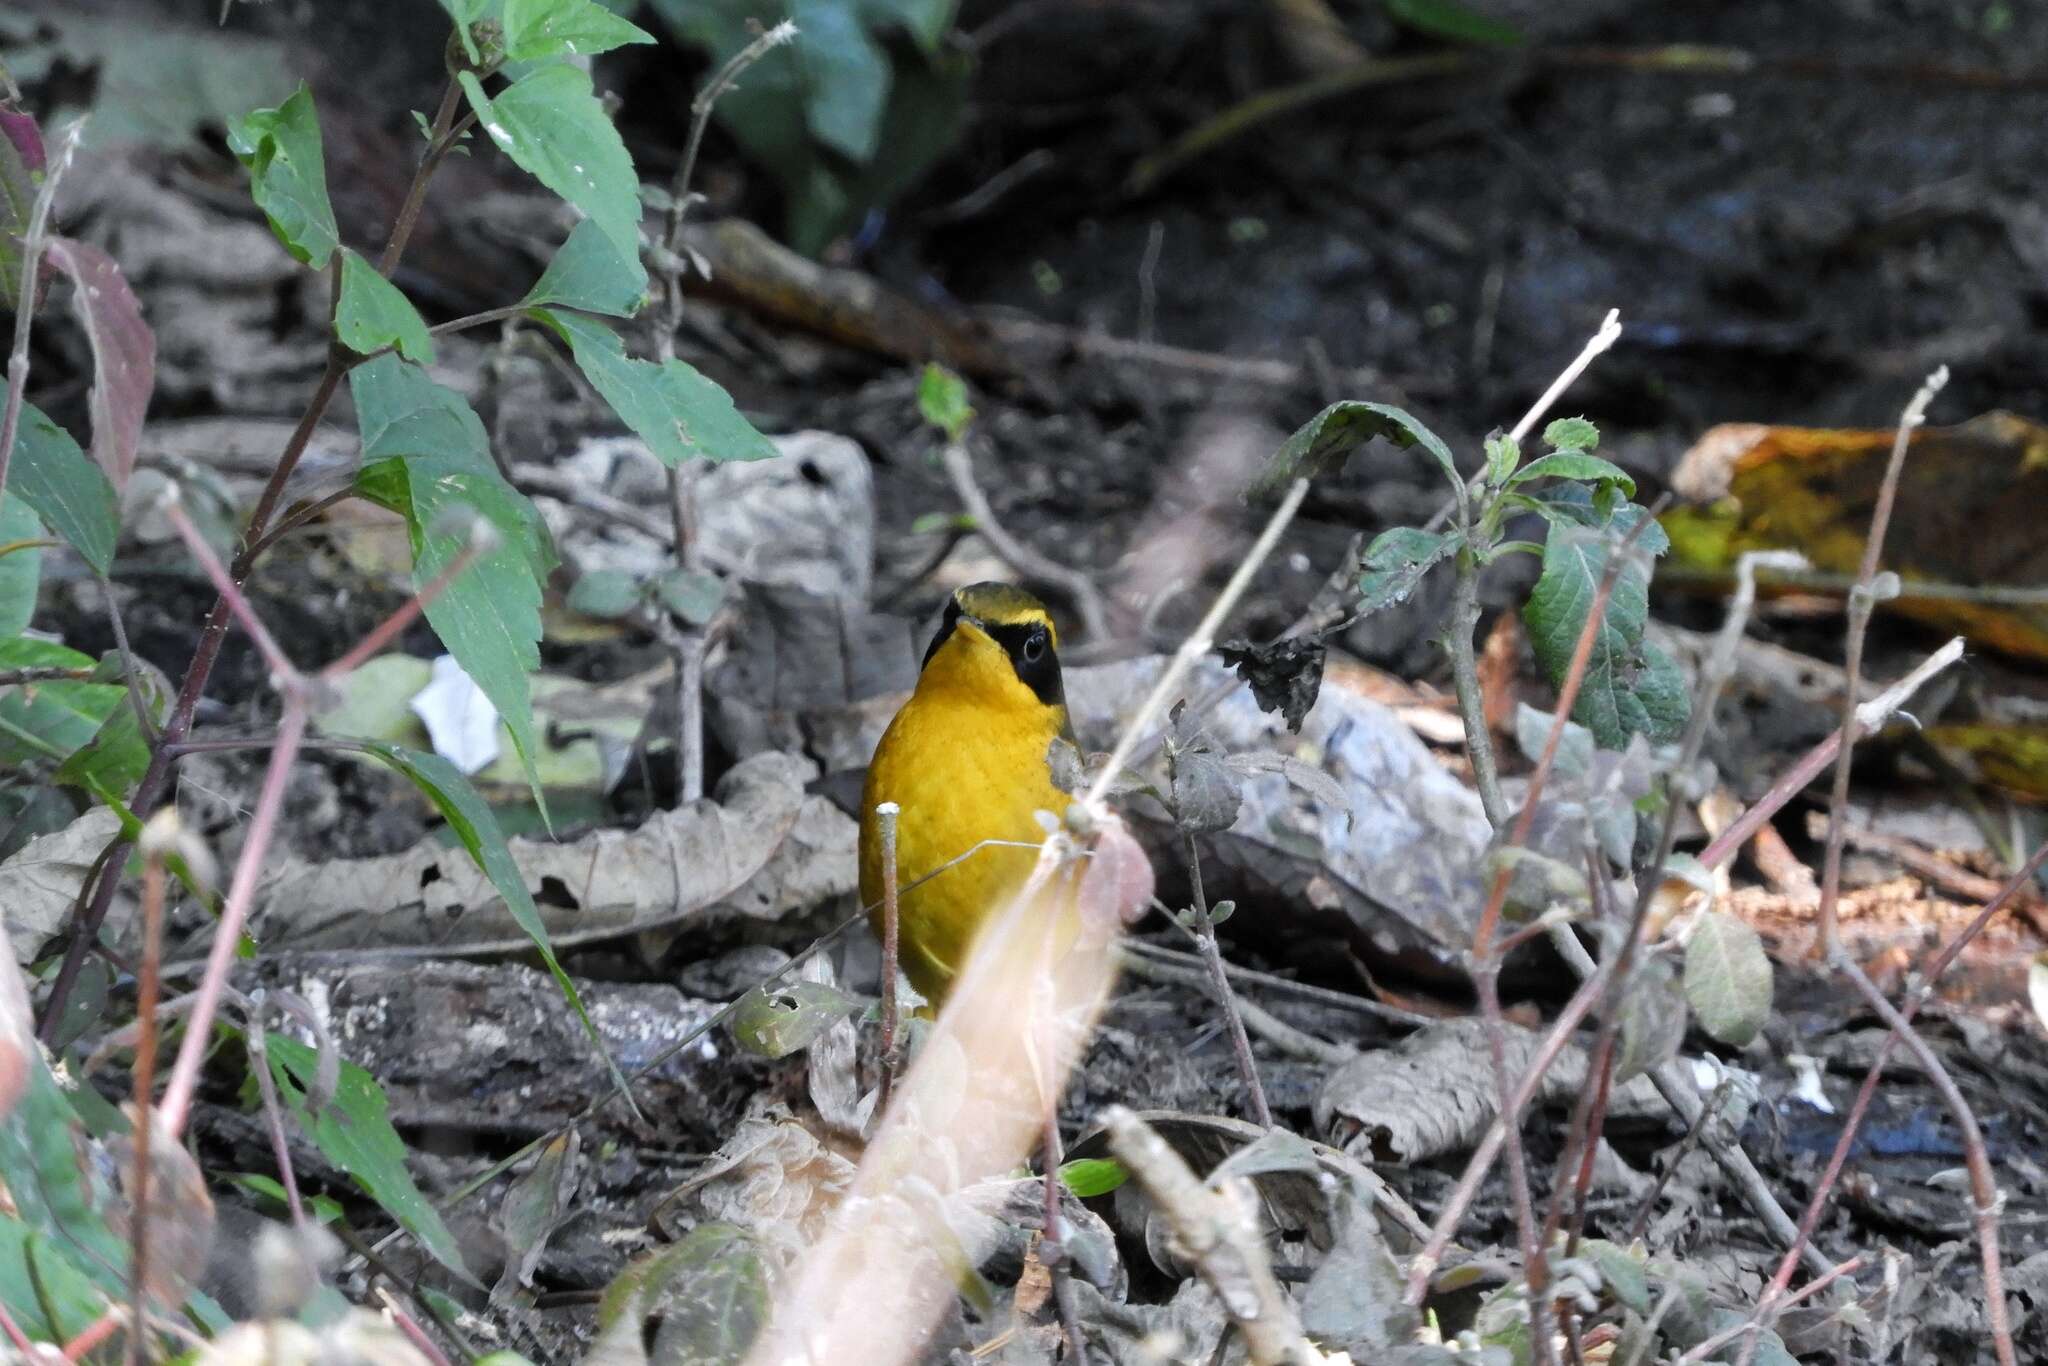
x,y
288,175
1320,445
1630,687
425,457
353,1131
942,400
1449,19
1396,562
21,565
1727,978
606,594
535,29
1571,434
679,413
552,125
1575,465
1092,1176
471,821
55,477
373,314
590,273
788,1019
49,720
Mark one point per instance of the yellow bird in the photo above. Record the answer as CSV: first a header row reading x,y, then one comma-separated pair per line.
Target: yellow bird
x,y
965,761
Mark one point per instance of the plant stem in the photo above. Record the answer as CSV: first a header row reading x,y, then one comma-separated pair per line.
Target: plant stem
x,y
1212,955
1471,701
146,992
155,782
885,824
438,143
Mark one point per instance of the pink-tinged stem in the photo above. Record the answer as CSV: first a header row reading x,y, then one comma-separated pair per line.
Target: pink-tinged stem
x,y
184,1083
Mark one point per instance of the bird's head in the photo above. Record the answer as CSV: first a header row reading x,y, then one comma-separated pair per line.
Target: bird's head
x,y
998,643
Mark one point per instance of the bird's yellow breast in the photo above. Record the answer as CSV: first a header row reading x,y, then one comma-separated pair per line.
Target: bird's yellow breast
x,y
965,761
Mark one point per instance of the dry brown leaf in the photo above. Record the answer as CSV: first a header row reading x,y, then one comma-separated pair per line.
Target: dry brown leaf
x,y
1969,498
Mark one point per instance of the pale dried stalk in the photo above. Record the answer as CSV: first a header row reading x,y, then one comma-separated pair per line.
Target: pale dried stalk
x,y
1221,1238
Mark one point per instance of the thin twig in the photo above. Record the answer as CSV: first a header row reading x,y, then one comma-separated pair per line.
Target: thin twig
x,y
1458,634
1870,717
1853,1123
1196,645
686,641
32,243
1756,1320
1600,342
1087,597
1212,955
1862,600
885,824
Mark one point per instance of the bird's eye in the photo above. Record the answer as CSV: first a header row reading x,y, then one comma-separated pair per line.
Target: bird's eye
x,y
1034,647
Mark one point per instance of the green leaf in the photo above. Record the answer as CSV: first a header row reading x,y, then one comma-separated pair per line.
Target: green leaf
x,y
1631,687
118,754
373,314
68,491
942,400
325,1209
425,456
1321,445
565,28
56,1279
1503,453
845,115
1652,1020
788,1019
1727,978
589,273
1090,1176
21,568
353,1131
551,124
49,720
1449,19
679,413
691,595
59,1207
1575,465
1396,562
22,161
1571,434
709,1291
606,594
472,822
288,176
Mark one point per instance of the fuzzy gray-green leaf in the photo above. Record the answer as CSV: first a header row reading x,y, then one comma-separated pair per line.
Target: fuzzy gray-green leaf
x,y
1728,978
